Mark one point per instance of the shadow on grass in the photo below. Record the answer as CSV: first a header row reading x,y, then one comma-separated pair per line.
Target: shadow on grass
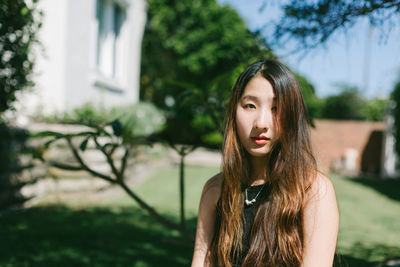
x,y
349,261
362,256
61,236
387,187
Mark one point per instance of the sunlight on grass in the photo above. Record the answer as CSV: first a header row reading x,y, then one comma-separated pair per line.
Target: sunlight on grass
x,y
162,190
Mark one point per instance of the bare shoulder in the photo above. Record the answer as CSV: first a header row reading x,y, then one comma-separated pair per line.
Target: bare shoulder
x,y
322,188
206,221
321,223
212,189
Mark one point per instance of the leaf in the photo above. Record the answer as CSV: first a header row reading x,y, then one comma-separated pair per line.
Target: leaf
x,y
117,127
84,143
45,134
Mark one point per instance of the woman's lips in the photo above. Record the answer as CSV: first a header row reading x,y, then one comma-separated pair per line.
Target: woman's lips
x,y
260,140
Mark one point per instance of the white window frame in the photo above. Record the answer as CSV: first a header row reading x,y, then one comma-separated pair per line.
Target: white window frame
x,y
111,18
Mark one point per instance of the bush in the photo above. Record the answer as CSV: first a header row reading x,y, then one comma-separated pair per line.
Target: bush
x,y
345,106
374,109
139,120
19,24
134,120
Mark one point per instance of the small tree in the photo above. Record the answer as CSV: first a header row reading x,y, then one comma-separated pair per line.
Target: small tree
x,y
131,126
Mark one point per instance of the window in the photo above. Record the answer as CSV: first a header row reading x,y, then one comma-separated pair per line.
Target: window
x,y
110,17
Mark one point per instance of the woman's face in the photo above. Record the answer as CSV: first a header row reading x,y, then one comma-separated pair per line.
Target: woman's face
x,y
256,120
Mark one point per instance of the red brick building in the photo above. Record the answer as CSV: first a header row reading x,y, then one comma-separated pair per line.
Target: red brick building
x,y
350,146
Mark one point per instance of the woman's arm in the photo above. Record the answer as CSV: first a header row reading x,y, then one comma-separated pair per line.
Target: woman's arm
x,y
321,224
205,222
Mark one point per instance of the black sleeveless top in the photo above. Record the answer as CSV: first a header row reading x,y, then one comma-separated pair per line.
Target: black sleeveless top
x,y
248,216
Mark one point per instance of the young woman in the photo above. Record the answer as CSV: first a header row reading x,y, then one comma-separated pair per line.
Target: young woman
x,y
270,206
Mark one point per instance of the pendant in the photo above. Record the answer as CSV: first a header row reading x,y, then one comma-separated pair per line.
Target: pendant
x,y
249,202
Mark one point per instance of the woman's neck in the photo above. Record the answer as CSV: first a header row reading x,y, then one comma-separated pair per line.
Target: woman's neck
x,y
259,170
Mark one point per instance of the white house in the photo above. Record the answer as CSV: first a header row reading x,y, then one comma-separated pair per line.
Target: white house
x,y
91,53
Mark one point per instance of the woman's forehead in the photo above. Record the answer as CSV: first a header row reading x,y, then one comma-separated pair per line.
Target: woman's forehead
x,y
258,88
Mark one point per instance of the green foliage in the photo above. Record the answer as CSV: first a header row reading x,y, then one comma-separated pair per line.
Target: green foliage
x,y
87,114
395,96
311,22
374,109
19,24
350,105
210,136
344,106
313,103
192,52
139,120
131,122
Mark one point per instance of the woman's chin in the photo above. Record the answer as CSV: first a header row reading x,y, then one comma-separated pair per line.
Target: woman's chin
x,y
259,153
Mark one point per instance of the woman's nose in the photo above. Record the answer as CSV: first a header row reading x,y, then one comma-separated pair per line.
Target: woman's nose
x,y
262,120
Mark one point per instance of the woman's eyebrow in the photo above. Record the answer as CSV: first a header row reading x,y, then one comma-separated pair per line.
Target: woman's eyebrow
x,y
255,98
249,97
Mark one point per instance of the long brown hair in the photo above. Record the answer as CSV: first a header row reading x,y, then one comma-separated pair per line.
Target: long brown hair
x,y
276,237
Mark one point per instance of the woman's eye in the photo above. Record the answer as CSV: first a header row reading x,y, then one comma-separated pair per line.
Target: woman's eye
x,y
274,109
249,106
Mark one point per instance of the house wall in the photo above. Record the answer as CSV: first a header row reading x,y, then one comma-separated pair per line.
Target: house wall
x,y
79,42
66,73
352,146
49,93
84,81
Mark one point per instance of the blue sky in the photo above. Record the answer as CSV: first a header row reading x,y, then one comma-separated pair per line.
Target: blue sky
x,y
343,60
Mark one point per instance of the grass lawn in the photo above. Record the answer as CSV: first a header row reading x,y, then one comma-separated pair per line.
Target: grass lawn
x,y
115,232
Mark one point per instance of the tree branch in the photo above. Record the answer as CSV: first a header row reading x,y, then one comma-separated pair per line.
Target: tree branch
x,y
312,23
123,162
63,166
108,157
85,166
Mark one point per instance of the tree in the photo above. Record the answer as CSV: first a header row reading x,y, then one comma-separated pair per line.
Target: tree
x,y
192,52
374,109
312,23
19,24
345,106
314,105
123,128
